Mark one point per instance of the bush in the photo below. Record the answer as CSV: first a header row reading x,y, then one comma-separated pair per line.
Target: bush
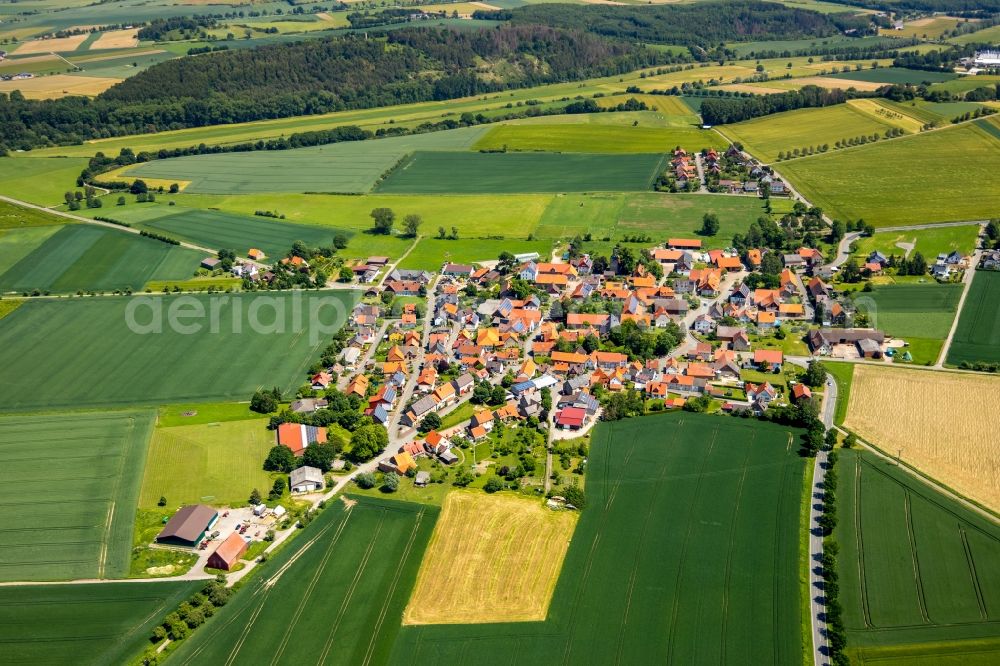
x,y
574,495
493,485
366,480
390,483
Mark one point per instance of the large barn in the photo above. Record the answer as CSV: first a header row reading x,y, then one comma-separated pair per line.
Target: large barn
x,y
188,526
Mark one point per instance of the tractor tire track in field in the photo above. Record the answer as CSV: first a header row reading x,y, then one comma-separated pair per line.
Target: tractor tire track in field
x,y
672,631
861,545
732,544
392,588
352,588
976,585
917,580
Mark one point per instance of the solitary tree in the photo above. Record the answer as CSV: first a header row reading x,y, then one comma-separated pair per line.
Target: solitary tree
x,y
411,224
384,219
279,459
255,497
263,402
709,224
163,501
277,490
390,482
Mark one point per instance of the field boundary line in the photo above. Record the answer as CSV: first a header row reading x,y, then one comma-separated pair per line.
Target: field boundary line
x,y
345,602
976,585
917,581
732,532
683,554
392,588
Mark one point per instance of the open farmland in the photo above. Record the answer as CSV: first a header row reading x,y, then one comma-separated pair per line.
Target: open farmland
x,y
82,353
84,624
347,167
335,596
597,138
907,118
889,75
78,523
433,172
803,128
38,180
931,27
691,528
878,183
917,569
210,228
59,85
92,258
945,424
928,242
219,463
915,312
510,549
430,253
977,337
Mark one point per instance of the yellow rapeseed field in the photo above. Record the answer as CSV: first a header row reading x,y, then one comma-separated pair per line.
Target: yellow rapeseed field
x,y
946,424
492,558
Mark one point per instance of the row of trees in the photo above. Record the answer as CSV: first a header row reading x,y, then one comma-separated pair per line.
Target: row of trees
x,y
385,218
720,111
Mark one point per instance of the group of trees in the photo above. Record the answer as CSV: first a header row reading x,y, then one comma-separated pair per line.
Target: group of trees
x,y
191,614
828,566
720,111
385,218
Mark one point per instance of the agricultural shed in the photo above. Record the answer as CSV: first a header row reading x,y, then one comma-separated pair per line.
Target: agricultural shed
x,y
188,526
228,553
306,479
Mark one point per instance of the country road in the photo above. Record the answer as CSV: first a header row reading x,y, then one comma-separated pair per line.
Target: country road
x,y
817,605
970,274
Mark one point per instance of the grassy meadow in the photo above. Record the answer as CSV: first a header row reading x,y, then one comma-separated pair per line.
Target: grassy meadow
x,y
82,352
924,312
566,138
221,463
878,183
765,137
914,569
336,595
77,523
706,507
977,337
84,257
92,624
461,173
38,180
928,242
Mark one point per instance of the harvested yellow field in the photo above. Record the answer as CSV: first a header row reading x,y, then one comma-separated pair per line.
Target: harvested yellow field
x,y
59,85
830,82
492,558
55,45
887,114
755,88
946,424
117,39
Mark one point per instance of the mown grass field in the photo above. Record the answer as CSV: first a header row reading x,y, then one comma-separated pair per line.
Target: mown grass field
x,y
878,183
920,311
348,167
82,353
69,485
932,27
89,258
510,549
459,173
430,253
335,596
804,128
943,423
691,529
215,463
916,569
977,337
928,242
214,229
84,624
38,180
597,138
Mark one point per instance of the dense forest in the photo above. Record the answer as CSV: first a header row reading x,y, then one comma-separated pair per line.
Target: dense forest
x,y
319,76
702,24
952,7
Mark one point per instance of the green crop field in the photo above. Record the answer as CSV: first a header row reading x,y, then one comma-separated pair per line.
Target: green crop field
x,y
592,138
39,180
803,128
987,36
219,463
442,172
878,183
966,83
348,167
922,314
214,229
90,258
917,569
977,337
83,353
687,553
77,523
93,624
928,242
890,75
334,597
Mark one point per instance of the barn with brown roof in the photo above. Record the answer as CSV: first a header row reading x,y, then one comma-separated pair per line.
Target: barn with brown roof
x,y
228,553
187,527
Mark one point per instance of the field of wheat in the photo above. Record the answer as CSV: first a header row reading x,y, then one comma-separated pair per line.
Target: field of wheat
x,y
492,558
947,425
